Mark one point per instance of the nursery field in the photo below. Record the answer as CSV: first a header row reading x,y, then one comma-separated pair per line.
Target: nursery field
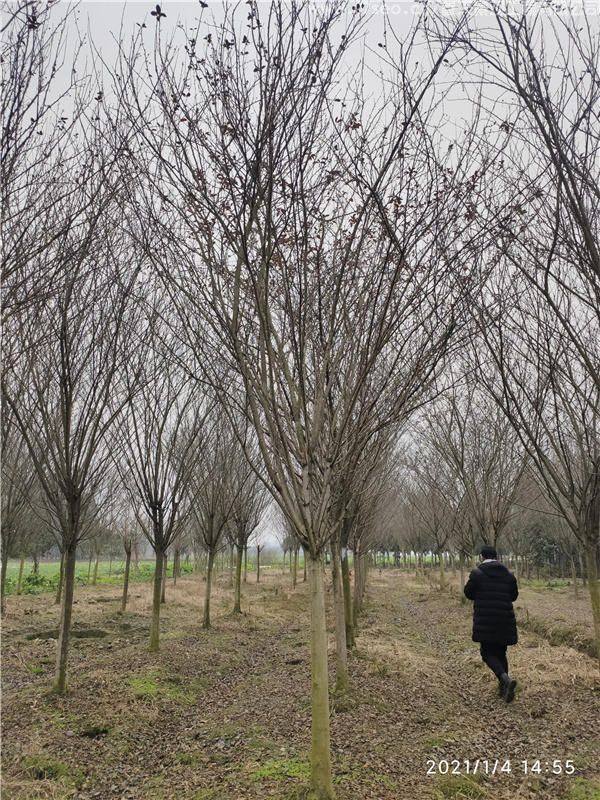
x,y
224,714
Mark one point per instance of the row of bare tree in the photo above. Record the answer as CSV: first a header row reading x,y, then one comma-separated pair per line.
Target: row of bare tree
x,y
223,248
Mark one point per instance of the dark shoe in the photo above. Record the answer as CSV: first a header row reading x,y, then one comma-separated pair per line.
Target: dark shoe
x,y
508,687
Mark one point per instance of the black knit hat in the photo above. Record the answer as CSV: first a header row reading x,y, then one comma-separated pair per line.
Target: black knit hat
x,y
488,552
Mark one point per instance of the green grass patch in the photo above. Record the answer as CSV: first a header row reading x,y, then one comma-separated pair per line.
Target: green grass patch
x,y
189,758
34,669
541,584
154,685
46,579
458,787
43,768
439,740
279,769
584,789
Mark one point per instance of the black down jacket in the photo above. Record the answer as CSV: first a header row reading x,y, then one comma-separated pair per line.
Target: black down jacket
x,y
493,587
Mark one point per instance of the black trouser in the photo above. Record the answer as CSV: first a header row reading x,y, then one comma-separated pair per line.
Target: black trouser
x,y
494,655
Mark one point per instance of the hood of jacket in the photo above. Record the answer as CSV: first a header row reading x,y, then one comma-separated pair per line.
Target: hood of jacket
x,y
493,569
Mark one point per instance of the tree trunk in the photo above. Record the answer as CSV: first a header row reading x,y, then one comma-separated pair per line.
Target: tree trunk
x,y
126,580
209,574
305,577
110,559
246,563
320,757
231,565
348,611
574,574
461,563
163,586
20,578
36,564
356,600
341,664
66,610
61,575
583,570
3,581
95,575
176,565
258,563
442,573
237,603
157,588
360,582
594,587
295,569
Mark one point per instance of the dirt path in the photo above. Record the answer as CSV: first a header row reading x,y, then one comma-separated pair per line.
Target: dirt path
x,y
224,714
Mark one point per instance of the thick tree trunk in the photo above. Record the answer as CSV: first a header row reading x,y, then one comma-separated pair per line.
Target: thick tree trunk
x,y
4,569
594,587
36,564
66,610
126,580
209,574
156,593
320,757
348,611
237,602
341,665
20,577
61,576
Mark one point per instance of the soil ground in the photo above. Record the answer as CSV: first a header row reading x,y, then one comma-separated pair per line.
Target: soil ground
x,y
224,714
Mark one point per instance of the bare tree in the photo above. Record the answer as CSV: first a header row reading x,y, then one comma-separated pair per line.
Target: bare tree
x,y
216,486
42,105
249,501
61,381
482,452
546,62
155,442
325,274
429,487
532,370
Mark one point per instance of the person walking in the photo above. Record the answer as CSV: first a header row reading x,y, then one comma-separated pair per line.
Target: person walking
x,y
493,588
